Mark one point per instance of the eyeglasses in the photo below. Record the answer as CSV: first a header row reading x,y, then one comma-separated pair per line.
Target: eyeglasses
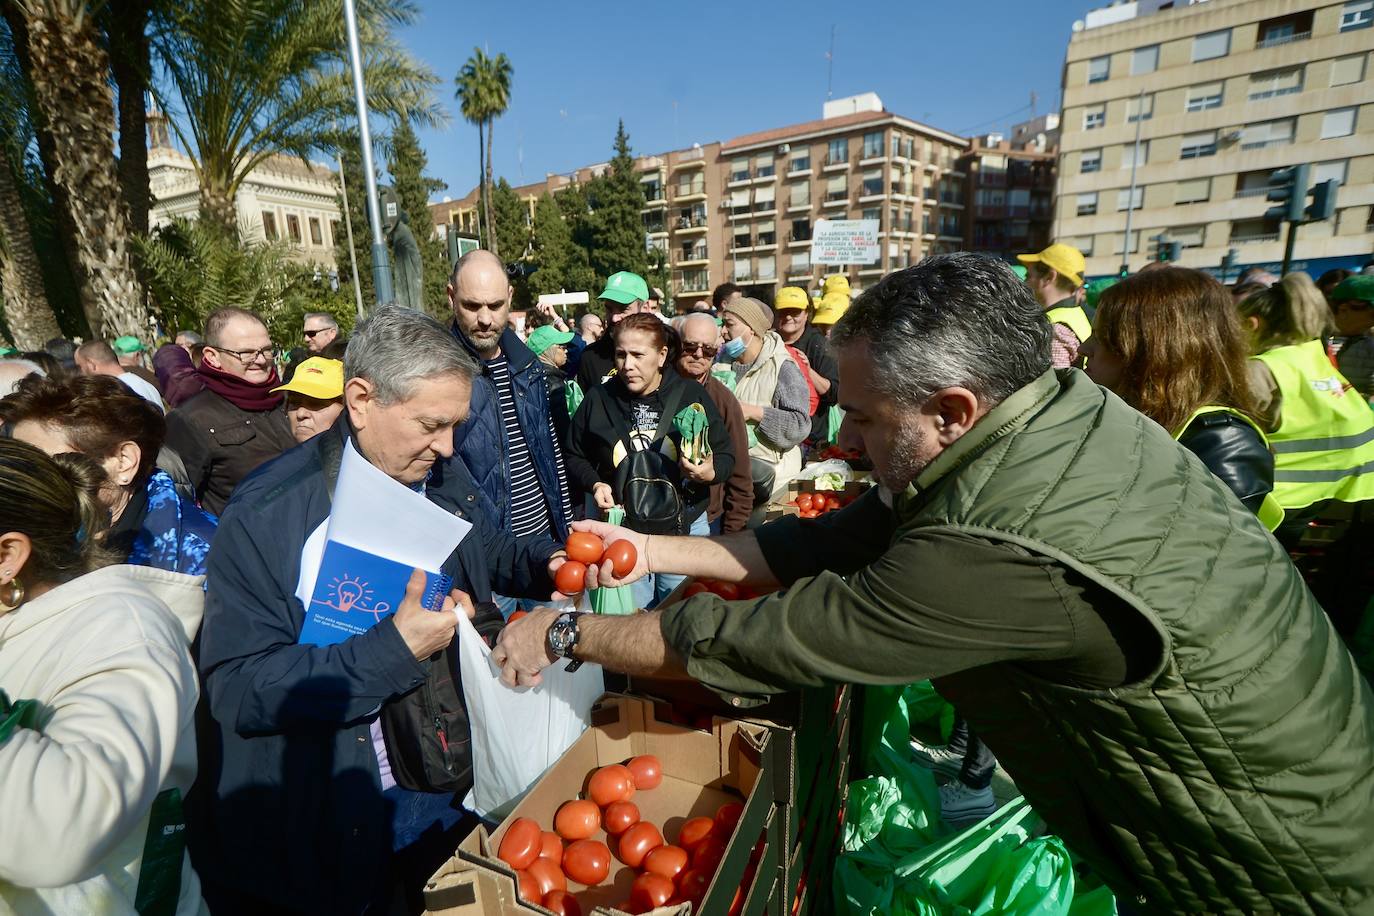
x,y
311,334
699,349
250,356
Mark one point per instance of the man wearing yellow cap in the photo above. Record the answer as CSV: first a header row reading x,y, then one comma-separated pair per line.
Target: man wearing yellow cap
x,y
790,314
314,396
1055,275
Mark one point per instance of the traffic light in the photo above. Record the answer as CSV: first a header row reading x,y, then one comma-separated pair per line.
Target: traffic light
x,y
1228,263
1288,187
1164,250
1174,252
1323,204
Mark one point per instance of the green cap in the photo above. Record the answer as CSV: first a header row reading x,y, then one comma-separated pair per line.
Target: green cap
x,y
625,287
127,345
1359,287
547,336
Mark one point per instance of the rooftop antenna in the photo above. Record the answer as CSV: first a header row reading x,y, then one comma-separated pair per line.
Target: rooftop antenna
x,y
830,66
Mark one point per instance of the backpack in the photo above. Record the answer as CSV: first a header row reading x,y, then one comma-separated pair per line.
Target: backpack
x,y
804,364
646,481
425,730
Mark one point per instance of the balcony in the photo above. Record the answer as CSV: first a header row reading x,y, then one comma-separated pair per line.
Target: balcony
x,y
839,201
692,257
694,282
692,191
831,165
1252,192
695,224
1255,237
738,179
1274,41
802,172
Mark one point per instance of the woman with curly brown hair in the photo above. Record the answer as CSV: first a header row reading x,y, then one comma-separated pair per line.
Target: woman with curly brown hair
x,y
1168,343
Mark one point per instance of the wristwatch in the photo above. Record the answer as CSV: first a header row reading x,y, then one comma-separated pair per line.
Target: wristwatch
x,y
563,639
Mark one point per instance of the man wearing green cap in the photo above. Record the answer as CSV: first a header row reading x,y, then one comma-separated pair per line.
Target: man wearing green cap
x,y
1054,276
1352,303
130,351
625,294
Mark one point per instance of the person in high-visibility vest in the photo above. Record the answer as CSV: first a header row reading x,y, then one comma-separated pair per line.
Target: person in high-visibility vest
x,y
1322,433
1168,343
1055,275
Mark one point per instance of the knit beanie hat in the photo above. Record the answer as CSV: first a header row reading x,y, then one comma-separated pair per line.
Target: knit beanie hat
x,y
752,312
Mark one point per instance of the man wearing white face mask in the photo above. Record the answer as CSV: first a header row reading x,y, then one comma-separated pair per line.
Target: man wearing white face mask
x,y
771,392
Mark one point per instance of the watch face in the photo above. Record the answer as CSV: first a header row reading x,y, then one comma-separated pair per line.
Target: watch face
x,y
562,635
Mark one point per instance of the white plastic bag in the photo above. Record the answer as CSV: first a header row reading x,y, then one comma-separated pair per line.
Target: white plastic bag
x,y
518,733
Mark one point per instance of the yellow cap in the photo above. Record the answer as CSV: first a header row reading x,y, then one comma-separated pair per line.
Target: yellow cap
x,y
790,297
318,378
832,308
1065,260
836,283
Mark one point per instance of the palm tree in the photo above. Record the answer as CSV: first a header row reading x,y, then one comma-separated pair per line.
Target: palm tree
x,y
58,46
483,89
259,78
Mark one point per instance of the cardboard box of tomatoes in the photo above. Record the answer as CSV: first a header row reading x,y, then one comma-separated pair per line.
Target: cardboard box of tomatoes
x,y
802,498
640,815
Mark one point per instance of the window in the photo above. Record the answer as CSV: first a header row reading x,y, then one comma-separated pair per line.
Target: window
x,y
1135,154
1140,108
1329,171
1090,161
767,268
763,165
1145,60
739,201
801,230
1137,200
837,152
801,263
873,144
873,213
653,189
739,170
1274,83
1117,243
1187,236
742,271
765,198
269,226
316,232
1347,70
1193,191
1254,230
293,227
742,237
1339,122
799,196
873,183
1087,204
767,233
1099,68
1266,134
1357,14
836,188
800,163
1094,117
335,227
1195,146
1205,97
1083,243
1211,45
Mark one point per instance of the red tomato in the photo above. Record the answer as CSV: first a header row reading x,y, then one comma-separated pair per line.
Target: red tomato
x,y
693,884
520,845
548,875
805,513
620,816
562,903
551,847
696,588
516,616
708,853
668,861
577,820
585,547
806,501
611,784
694,831
587,862
727,816
571,577
623,557
646,771
727,590
650,891
528,887
637,842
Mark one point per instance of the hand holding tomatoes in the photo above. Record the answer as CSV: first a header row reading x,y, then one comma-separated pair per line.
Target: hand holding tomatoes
x,y
619,564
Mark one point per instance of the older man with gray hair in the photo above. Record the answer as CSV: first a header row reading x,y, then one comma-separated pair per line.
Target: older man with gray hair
x,y
340,769
1119,629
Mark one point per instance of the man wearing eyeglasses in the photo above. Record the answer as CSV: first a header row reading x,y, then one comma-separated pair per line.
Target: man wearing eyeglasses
x,y
224,432
731,501
320,331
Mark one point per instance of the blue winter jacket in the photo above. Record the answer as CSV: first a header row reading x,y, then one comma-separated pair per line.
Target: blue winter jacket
x,y
481,440
175,533
288,802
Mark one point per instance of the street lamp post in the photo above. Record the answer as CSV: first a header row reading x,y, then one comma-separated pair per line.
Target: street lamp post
x,y
381,264
1130,195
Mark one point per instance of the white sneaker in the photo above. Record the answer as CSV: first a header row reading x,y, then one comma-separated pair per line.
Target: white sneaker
x,y
937,757
960,803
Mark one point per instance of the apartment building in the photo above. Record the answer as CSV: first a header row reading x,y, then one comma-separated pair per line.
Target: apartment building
x,y
1220,93
744,210
1010,189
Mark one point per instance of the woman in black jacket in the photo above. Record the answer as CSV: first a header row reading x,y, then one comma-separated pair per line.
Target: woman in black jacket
x,y
1168,342
633,411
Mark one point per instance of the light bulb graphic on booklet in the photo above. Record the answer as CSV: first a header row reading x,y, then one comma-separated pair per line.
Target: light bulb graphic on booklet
x,y
351,592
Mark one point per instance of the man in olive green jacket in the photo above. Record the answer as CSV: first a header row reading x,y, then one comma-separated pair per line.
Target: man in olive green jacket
x,y
1135,648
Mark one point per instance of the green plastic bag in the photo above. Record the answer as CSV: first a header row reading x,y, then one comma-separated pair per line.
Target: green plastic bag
x,y
617,601
833,420
573,393
16,715
691,424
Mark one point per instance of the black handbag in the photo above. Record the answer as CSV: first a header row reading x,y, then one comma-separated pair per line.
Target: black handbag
x,y
647,482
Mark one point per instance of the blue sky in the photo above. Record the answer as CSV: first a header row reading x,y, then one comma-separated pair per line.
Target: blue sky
x,y
680,73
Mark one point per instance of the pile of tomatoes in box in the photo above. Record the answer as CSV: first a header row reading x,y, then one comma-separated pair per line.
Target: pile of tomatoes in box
x,y
668,874
819,503
585,549
834,451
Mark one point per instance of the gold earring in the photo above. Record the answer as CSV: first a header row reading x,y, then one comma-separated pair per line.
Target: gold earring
x,y
13,599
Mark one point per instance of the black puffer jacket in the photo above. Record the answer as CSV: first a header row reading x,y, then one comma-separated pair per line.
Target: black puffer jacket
x,y
1233,451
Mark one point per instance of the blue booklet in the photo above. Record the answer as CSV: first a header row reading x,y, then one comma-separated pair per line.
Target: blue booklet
x,y
356,590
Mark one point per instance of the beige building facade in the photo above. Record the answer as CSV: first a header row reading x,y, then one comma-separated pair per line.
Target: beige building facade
x,y
1221,93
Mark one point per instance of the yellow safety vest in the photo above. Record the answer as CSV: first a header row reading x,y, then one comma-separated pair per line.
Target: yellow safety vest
x,y
1324,446
1074,318
1270,512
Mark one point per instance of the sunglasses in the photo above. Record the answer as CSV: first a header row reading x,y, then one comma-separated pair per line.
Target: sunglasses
x,y
311,334
689,349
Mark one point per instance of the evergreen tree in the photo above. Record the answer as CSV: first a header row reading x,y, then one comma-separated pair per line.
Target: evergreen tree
x,y
560,264
407,164
512,225
617,229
